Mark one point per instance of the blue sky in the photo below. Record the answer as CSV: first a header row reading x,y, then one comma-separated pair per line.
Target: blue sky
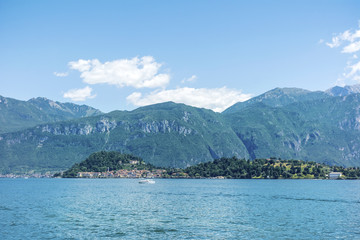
x,y
118,55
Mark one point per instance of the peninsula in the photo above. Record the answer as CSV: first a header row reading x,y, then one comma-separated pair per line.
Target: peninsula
x,y
117,165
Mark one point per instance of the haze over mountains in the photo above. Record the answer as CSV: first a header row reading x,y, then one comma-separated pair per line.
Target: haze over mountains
x,y
284,122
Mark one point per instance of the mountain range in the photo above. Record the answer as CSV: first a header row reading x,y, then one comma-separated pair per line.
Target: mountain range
x,y
288,123
16,115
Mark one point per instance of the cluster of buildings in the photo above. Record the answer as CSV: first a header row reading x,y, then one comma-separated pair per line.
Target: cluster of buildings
x,y
123,173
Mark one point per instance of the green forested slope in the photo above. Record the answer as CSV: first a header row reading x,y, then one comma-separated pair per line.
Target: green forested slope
x,y
324,130
168,134
317,128
16,115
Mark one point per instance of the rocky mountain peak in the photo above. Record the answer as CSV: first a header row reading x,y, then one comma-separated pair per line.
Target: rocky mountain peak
x,y
338,91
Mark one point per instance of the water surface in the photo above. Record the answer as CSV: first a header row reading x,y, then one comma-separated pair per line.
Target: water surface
x,y
179,209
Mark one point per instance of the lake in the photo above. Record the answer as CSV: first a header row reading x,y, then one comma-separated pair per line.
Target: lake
x,y
179,209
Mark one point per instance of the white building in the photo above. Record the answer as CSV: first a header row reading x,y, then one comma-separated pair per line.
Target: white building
x,y
335,175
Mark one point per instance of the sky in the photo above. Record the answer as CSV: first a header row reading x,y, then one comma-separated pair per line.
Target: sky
x,y
120,55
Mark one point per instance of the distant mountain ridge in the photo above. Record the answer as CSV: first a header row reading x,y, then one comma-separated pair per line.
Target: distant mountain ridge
x,y
325,130
167,134
278,97
343,91
16,115
288,123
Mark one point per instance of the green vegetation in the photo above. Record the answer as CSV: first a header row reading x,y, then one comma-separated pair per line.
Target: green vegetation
x,y
349,173
259,168
322,130
16,115
267,168
236,168
107,161
288,123
165,135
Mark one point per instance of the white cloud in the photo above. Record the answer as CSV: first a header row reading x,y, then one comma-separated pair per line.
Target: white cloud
x,y
355,69
190,79
337,40
351,48
136,72
217,99
355,35
351,42
335,43
344,37
79,94
83,65
347,36
61,74
340,82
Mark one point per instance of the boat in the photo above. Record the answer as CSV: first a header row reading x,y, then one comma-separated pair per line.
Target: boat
x,y
146,181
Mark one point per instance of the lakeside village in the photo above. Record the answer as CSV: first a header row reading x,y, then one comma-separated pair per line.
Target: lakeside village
x,y
152,173
162,173
135,173
159,174
117,165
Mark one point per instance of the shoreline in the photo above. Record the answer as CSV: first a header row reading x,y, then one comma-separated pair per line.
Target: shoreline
x,y
202,178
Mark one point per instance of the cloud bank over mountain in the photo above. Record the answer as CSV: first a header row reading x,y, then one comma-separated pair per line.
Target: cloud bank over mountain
x,y
145,73
216,99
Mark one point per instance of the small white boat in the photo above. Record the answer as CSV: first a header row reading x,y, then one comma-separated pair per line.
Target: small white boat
x,y
146,181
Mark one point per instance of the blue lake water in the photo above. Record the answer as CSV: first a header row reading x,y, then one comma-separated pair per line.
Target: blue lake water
x,y
179,209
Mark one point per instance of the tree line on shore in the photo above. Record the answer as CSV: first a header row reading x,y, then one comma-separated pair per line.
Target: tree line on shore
x,y
272,168
107,161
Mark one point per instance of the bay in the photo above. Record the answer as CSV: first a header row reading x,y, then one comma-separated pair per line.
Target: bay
x,y
179,209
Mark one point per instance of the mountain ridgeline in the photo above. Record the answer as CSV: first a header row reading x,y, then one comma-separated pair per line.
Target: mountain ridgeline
x,y
288,123
166,134
17,115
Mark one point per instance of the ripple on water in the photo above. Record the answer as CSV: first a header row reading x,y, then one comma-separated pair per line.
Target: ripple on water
x,y
115,235
161,230
315,199
50,216
4,208
166,221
